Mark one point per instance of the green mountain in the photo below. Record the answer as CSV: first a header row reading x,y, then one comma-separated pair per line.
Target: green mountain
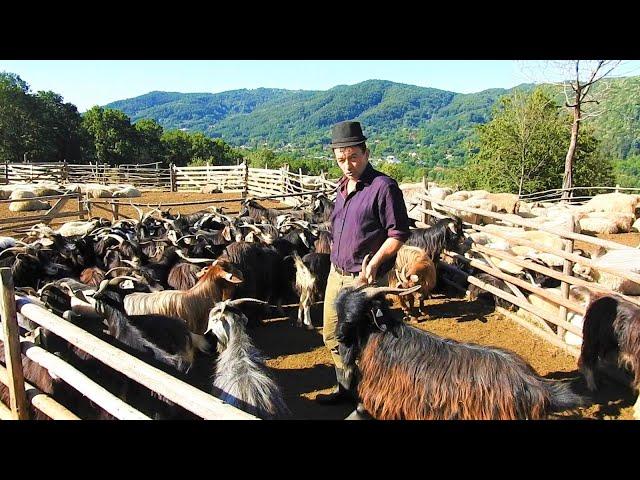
x,y
407,121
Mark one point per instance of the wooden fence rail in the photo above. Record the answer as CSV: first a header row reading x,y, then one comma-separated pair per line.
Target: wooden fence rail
x,y
566,277
177,391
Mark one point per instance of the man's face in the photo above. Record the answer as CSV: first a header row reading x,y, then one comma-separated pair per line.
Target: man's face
x,y
352,161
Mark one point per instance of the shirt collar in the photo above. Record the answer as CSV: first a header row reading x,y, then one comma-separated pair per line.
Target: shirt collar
x,y
366,178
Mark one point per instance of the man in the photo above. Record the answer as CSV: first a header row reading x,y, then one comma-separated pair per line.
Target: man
x,y
369,217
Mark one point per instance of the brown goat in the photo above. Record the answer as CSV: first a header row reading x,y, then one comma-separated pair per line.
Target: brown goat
x,y
218,283
413,267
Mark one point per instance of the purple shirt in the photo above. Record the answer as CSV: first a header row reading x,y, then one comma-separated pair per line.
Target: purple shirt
x,y
363,220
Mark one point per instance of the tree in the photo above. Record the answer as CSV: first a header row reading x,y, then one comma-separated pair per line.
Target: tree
x,y
112,136
521,149
577,94
58,128
149,145
17,120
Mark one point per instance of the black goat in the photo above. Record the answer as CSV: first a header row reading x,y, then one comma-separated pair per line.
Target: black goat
x,y
445,233
407,373
611,325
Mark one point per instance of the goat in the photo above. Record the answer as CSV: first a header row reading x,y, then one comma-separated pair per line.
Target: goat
x,y
192,306
183,276
611,324
312,272
240,370
413,267
445,233
474,292
167,339
407,373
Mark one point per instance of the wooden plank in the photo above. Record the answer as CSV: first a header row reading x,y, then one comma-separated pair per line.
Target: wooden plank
x,y
549,271
11,340
24,220
81,382
526,223
541,292
41,401
512,298
5,413
553,339
185,395
44,197
634,277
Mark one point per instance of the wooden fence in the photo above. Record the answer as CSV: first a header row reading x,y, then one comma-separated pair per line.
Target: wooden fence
x,y
21,394
19,222
576,194
550,327
248,181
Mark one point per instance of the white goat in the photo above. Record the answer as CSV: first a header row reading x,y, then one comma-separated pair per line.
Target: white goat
x,y
240,369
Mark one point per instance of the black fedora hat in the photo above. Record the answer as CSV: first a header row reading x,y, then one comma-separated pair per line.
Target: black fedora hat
x,y
346,134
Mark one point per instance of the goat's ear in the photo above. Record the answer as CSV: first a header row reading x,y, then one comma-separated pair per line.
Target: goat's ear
x,y
452,226
414,278
226,233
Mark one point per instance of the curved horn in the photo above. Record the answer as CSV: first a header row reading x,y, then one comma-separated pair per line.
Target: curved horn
x,y
140,214
403,274
117,237
114,281
115,268
365,262
195,260
398,275
372,292
240,301
14,249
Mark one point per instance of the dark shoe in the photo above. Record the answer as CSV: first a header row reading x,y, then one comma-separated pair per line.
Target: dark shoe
x,y
359,414
338,396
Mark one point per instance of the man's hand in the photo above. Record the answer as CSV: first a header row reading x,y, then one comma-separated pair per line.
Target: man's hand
x,y
371,272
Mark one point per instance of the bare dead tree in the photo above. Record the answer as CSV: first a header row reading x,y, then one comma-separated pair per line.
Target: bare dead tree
x,y
577,93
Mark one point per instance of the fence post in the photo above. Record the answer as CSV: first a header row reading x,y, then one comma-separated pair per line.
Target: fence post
x,y
6,173
245,191
172,177
425,204
80,207
65,172
13,355
567,269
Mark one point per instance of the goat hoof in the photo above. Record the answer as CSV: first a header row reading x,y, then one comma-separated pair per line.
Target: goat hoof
x,y
309,327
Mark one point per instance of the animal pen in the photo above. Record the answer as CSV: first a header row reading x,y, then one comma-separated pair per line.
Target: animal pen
x,y
259,184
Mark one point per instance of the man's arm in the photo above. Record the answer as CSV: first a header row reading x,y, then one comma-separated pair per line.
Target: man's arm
x,y
388,249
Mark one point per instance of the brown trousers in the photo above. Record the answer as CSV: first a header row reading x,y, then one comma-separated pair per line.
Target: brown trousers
x,y
335,283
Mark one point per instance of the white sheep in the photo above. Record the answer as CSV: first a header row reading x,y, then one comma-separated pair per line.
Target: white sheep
x,y
28,205
613,202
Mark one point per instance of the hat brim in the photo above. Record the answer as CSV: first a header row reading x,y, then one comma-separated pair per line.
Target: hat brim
x,y
348,143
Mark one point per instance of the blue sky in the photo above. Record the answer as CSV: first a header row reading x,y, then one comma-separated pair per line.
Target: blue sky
x,y
96,82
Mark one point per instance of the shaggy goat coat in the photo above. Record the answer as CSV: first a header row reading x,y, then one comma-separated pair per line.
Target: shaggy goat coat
x,y
407,373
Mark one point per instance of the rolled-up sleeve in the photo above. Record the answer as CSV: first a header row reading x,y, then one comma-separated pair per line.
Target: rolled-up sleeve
x,y
393,211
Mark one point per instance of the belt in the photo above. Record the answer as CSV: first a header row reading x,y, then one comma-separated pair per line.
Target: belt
x,y
345,273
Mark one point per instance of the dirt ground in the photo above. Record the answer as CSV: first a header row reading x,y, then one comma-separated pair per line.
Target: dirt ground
x,y
302,367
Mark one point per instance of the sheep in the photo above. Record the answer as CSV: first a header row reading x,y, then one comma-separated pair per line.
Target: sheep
x,y
312,272
625,260
611,324
77,228
413,266
504,202
27,205
403,372
613,202
240,372
192,306
126,191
